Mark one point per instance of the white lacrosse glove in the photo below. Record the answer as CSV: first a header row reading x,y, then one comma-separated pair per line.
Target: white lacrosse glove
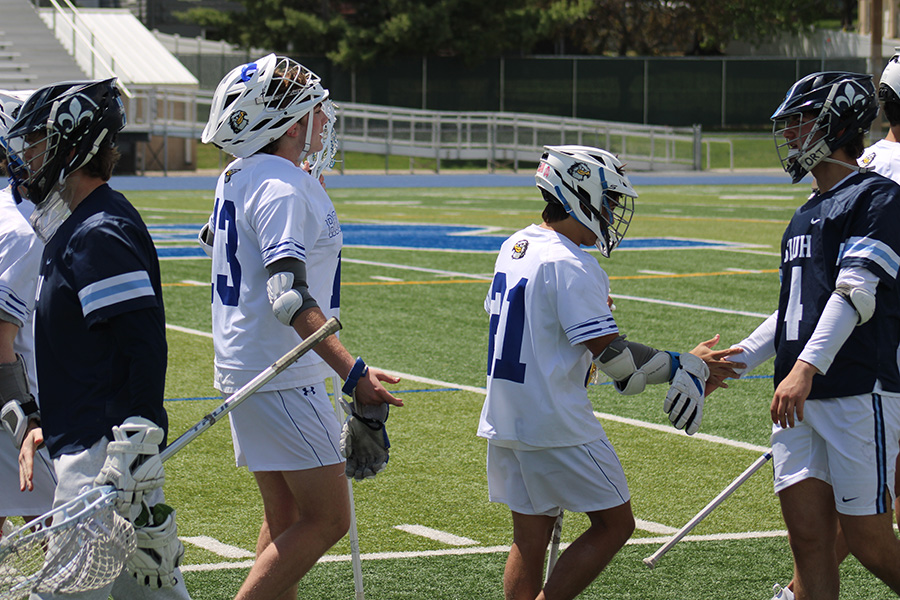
x,y
364,440
159,551
132,463
684,401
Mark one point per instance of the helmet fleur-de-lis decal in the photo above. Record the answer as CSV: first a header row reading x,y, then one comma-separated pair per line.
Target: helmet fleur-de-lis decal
x,y
72,114
850,96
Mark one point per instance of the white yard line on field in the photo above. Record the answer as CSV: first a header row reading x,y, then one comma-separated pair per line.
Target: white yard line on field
x,y
437,535
246,564
217,547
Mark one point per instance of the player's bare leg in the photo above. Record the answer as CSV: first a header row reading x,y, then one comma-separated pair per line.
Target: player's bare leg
x,y
322,510
811,519
588,555
523,576
872,541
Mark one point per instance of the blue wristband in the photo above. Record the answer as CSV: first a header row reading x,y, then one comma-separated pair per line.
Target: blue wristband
x,y
359,369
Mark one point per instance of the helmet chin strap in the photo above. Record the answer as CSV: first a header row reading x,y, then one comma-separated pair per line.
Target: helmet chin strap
x,y
308,143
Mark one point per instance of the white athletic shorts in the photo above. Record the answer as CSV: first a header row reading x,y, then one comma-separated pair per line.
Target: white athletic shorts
x,y
14,503
75,471
583,479
286,430
849,443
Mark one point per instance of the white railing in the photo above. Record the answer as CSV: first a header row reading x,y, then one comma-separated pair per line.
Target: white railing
x,y
80,42
508,137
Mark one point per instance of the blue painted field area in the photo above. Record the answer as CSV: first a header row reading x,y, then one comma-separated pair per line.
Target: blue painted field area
x,y
418,237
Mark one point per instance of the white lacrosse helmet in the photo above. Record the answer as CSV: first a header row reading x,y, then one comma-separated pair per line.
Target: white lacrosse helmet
x,y
889,87
10,103
592,186
256,103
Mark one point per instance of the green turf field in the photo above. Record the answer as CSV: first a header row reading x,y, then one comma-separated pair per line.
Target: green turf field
x,y
421,313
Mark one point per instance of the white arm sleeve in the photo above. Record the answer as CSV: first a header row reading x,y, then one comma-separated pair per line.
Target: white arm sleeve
x,y
837,320
758,347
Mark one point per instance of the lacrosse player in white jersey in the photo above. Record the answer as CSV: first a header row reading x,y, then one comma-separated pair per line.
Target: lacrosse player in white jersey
x,y
549,323
20,259
275,242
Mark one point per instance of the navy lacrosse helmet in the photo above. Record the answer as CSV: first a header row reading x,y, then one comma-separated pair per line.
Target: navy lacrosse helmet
x,y
76,119
842,105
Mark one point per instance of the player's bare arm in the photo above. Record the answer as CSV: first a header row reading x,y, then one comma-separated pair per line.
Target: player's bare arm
x,y
34,439
369,388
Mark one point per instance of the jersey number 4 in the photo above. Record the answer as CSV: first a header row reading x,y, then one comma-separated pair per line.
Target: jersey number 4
x,y
507,326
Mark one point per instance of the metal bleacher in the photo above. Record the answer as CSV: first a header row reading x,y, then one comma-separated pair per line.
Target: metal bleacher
x,y
25,34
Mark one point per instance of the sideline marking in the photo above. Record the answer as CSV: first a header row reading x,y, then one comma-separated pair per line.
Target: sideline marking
x,y
437,535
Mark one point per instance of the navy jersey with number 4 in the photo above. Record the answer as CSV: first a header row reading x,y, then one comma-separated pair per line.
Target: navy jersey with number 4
x,y
855,224
100,337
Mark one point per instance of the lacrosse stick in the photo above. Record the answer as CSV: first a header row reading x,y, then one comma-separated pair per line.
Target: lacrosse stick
x,y
355,557
87,543
554,545
651,560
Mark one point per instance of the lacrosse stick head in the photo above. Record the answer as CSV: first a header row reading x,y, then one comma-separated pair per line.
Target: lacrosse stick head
x,y
79,546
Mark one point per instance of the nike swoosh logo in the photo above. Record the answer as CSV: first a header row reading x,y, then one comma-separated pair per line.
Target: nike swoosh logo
x,y
844,499
814,221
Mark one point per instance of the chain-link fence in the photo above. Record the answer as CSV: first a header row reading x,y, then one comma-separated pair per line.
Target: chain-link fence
x,y
719,92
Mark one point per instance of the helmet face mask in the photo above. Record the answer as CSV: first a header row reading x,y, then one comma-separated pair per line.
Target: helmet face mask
x,y
591,185
839,106
256,103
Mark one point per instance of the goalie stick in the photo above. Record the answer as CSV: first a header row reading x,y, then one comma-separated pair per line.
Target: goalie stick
x,y
651,560
86,543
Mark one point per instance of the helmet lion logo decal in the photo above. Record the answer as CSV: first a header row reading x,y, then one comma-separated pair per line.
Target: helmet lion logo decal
x,y
238,121
519,249
71,115
229,173
579,171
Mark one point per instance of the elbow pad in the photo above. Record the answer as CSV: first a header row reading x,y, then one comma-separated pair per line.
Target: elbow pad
x,y
861,299
288,297
18,405
632,366
205,239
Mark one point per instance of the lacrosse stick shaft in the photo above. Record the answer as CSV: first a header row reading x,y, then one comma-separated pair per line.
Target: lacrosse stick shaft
x,y
554,545
651,560
331,326
355,556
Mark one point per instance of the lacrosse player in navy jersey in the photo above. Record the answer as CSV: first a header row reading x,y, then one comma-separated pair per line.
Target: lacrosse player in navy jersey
x,y
549,323
882,157
836,406
275,242
99,325
20,259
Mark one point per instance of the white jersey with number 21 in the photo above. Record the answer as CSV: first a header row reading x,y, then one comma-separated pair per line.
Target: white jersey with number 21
x,y
547,297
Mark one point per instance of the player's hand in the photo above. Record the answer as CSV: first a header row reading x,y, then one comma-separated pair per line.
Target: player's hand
x,y
791,394
370,391
364,440
33,440
719,368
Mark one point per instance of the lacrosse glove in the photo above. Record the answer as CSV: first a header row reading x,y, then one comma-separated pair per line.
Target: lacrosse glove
x,y
684,401
364,440
132,463
159,551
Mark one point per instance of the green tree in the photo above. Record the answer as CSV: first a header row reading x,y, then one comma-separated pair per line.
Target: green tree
x,y
358,32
